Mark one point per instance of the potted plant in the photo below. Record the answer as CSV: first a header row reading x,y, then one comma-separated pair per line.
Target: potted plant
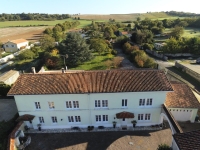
x,y
39,126
134,123
114,124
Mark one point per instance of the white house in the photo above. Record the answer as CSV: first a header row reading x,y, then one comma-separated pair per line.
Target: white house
x,y
91,98
182,103
15,45
9,77
158,46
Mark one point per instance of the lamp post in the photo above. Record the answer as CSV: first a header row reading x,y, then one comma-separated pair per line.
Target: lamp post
x,y
65,56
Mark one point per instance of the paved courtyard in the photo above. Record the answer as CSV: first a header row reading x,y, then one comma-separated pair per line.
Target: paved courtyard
x,y
7,109
114,140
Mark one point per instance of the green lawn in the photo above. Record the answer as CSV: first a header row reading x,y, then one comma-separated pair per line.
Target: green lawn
x,y
191,32
37,23
95,64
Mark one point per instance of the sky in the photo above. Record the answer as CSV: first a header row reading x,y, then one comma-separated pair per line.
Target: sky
x,y
97,6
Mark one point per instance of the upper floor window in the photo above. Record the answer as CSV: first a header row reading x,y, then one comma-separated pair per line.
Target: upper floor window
x,y
101,103
6,45
41,119
149,101
51,105
12,45
37,105
54,119
72,104
142,102
124,102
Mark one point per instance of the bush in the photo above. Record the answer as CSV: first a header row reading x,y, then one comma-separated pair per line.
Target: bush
x,y
4,88
163,147
114,52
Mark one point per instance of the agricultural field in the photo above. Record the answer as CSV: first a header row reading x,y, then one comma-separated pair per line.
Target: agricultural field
x,y
30,33
125,17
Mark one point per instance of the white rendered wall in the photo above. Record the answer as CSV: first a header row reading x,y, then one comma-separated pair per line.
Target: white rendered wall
x,y
87,110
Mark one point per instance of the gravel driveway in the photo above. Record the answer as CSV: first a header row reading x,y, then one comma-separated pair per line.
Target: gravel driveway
x,y
126,64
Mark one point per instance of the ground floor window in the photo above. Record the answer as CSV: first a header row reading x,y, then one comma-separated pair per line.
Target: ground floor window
x,y
144,116
54,119
74,119
41,119
101,118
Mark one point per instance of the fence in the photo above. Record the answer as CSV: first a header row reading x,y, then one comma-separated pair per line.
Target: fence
x,y
156,54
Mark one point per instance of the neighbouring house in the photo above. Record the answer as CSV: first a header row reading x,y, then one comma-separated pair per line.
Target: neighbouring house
x,y
158,46
15,45
186,141
91,98
9,77
182,103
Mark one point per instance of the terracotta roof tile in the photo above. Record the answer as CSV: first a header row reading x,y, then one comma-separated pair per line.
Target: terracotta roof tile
x,y
91,82
182,97
188,140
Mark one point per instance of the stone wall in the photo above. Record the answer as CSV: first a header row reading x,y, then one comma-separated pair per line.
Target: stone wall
x,y
188,71
154,53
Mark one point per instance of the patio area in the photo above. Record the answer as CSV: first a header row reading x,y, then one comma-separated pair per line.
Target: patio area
x,y
119,140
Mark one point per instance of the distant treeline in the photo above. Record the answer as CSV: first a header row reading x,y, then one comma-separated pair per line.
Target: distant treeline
x,y
33,16
182,14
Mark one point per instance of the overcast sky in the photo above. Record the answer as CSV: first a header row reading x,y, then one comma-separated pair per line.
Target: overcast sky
x,y
97,6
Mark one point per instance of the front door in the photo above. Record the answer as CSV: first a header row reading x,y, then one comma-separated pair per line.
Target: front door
x,y
124,122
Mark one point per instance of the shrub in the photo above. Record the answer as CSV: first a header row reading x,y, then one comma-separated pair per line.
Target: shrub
x,y
4,88
163,147
114,52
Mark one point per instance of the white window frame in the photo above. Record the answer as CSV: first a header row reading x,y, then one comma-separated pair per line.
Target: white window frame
x,y
149,102
147,117
37,106
51,105
41,120
124,103
144,117
142,102
74,119
104,103
54,119
101,118
101,104
140,117
72,104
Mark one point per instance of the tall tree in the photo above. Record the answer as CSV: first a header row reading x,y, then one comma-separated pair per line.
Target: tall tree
x,y
47,42
177,32
76,48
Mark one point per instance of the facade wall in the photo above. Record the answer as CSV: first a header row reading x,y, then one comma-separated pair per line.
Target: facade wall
x,y
87,110
184,114
10,47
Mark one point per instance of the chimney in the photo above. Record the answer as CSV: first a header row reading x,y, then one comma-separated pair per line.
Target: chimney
x,y
63,70
33,70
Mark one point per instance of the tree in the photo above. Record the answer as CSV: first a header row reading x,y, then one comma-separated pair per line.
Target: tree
x,y
138,19
76,48
99,45
47,42
172,46
48,31
27,54
176,32
117,61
